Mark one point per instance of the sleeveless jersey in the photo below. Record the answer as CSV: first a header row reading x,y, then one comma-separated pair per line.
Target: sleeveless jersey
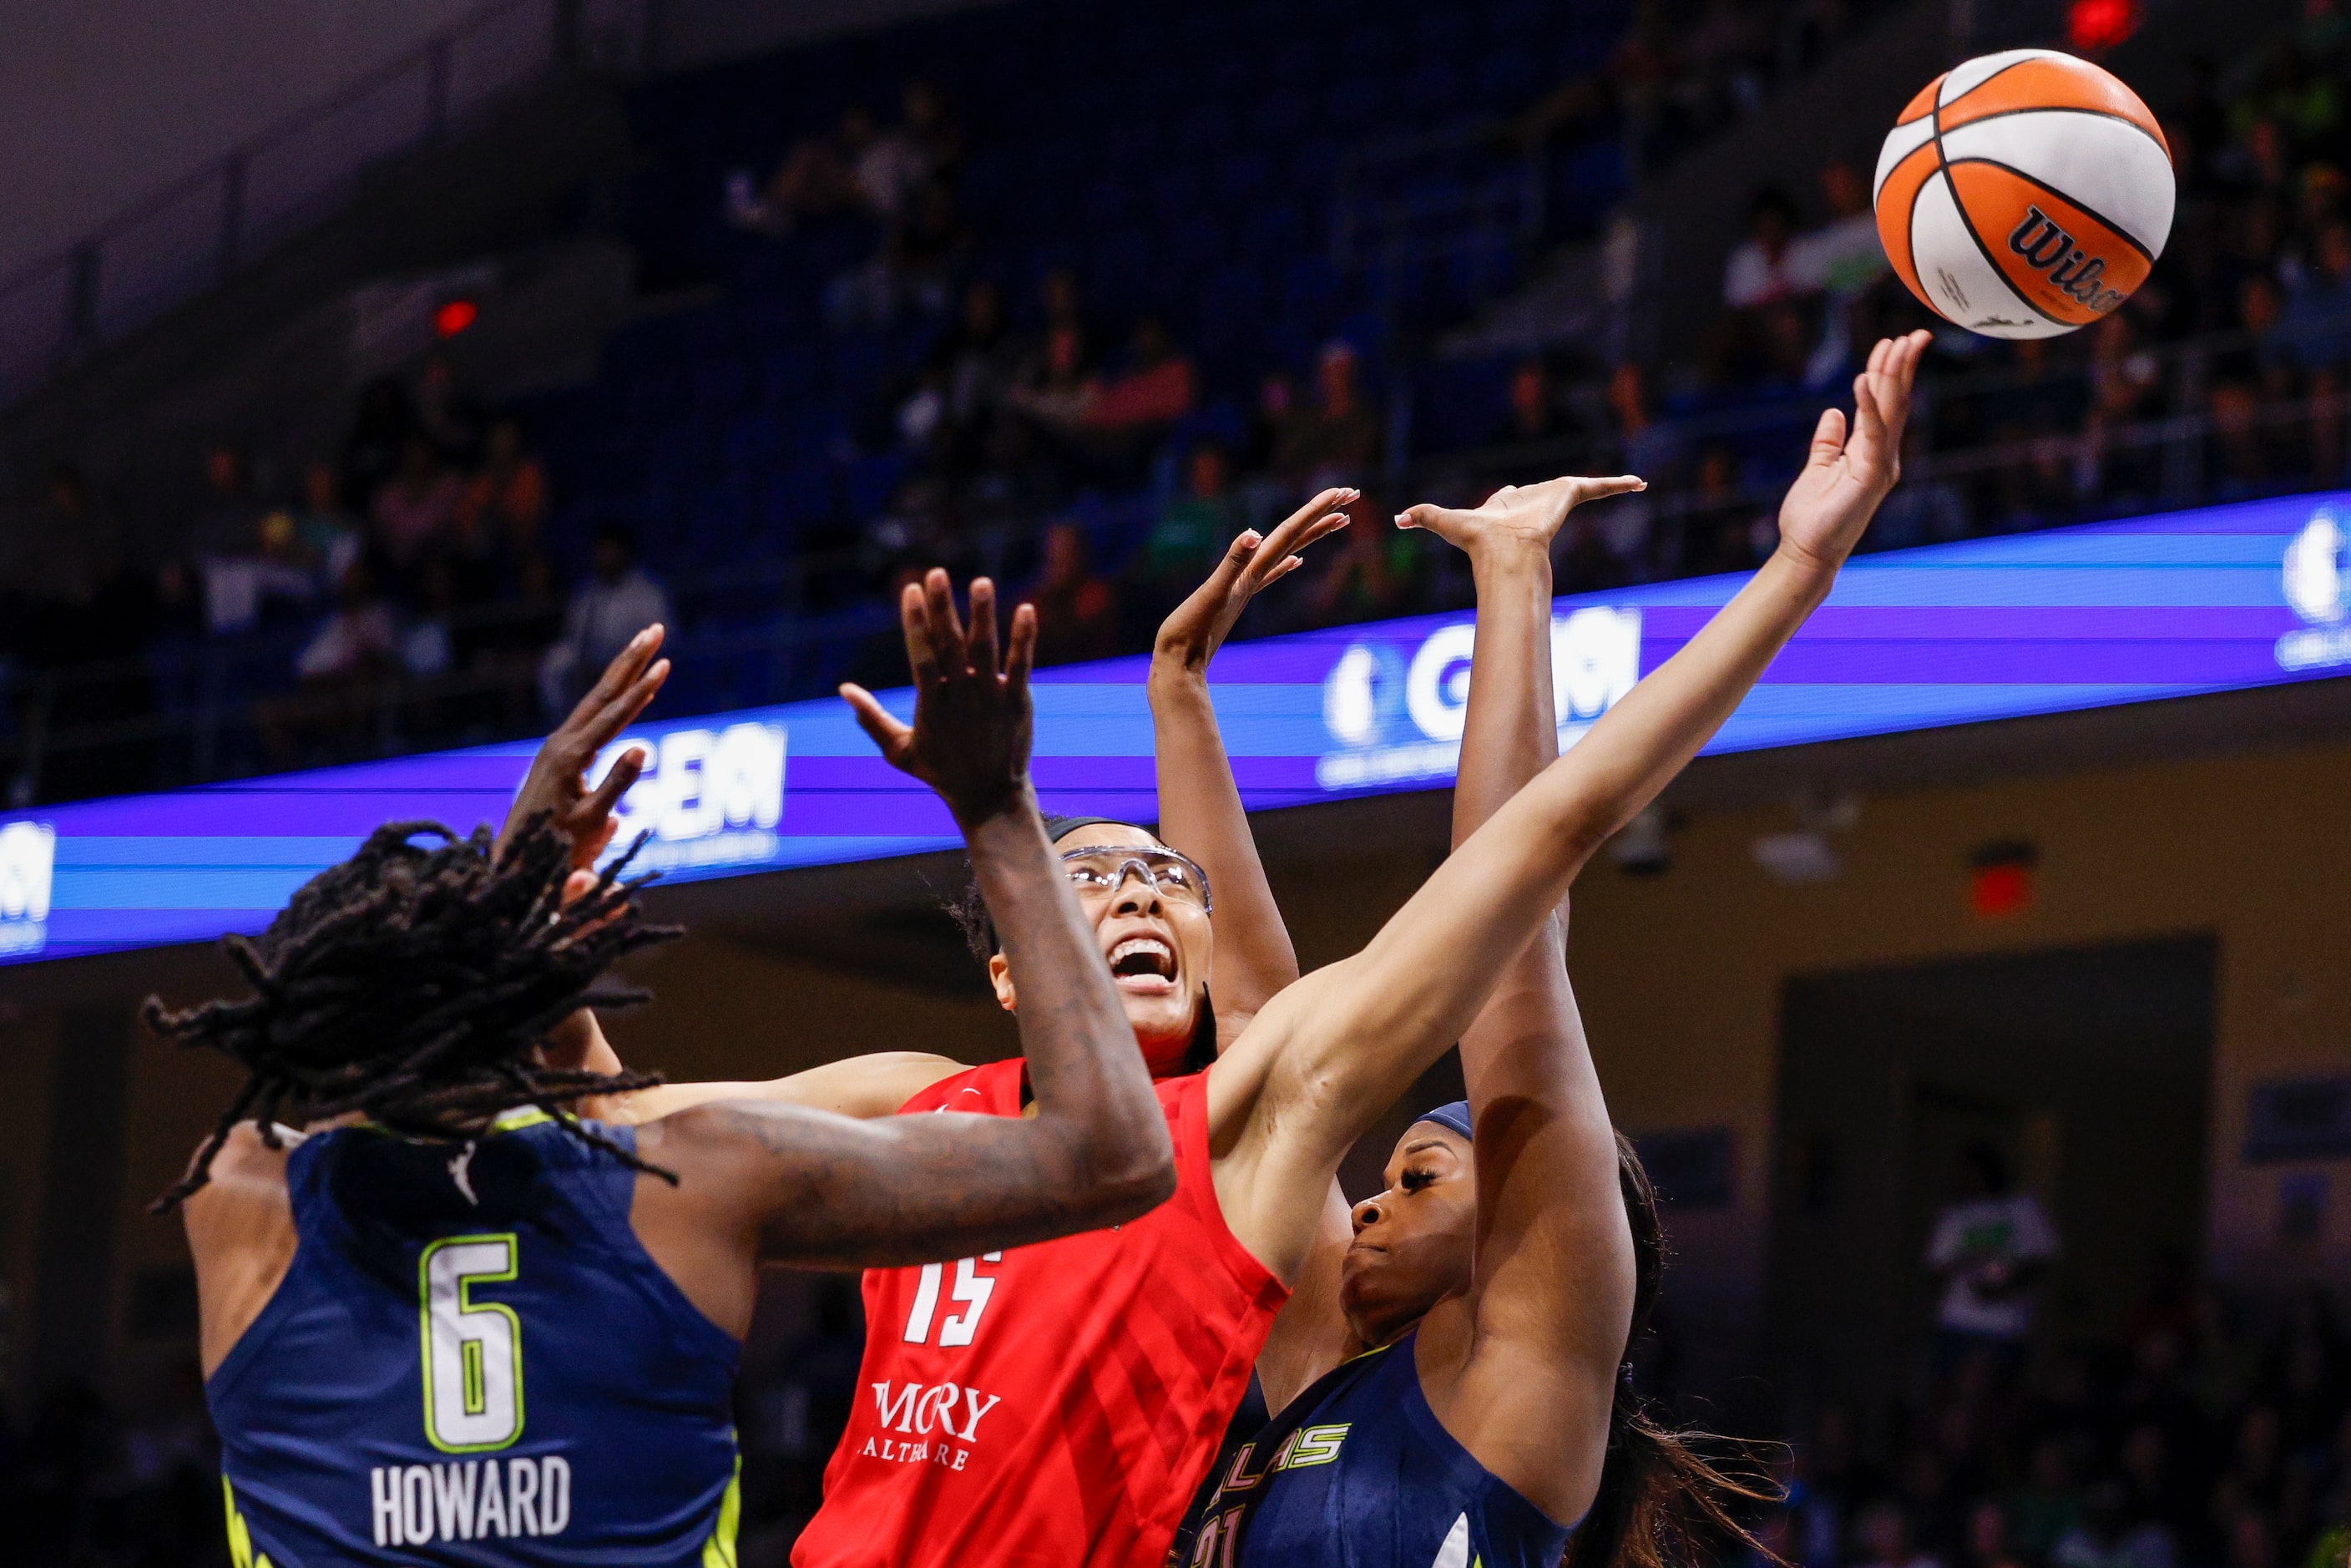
x,y
1051,1406
471,1360
1358,1472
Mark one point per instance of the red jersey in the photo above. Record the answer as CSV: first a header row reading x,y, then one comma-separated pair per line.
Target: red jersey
x,y
1053,1404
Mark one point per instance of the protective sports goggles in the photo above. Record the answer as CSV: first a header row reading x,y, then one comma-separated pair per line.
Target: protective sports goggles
x,y
1100,869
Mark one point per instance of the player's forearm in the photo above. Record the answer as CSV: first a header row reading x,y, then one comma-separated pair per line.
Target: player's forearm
x,y
1091,1081
1201,813
1509,734
1489,896
828,1192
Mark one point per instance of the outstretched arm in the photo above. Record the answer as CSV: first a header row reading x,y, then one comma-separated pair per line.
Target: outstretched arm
x,y
1199,805
1201,813
1535,1344
799,1186
1326,1057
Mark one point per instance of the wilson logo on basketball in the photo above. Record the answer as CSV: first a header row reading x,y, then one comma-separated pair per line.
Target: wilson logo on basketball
x,y
2050,249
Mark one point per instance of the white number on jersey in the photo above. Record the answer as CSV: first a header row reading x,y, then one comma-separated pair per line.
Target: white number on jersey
x,y
971,1288
472,1351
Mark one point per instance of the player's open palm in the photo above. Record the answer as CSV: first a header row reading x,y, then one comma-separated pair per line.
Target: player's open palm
x,y
970,738
1847,474
1197,628
557,784
1521,517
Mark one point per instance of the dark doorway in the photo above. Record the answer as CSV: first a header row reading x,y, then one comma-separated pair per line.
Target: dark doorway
x,y
2087,1069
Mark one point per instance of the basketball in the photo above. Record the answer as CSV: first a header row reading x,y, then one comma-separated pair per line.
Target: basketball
x,y
2025,194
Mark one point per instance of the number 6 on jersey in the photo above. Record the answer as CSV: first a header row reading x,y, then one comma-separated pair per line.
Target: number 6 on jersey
x,y
473,1353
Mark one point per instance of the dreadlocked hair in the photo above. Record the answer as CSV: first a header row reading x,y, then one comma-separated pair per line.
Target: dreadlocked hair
x,y
412,984
1662,1504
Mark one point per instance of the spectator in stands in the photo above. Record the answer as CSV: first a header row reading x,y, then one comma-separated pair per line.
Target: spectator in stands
x,y
930,127
1336,440
1077,608
342,673
1842,260
250,561
2318,306
1109,422
499,517
415,513
1154,390
1367,577
1062,353
818,178
53,567
1924,509
2106,1537
1761,267
976,361
618,600
1990,1247
1192,529
1883,1539
2115,463
380,427
1728,55
1534,412
329,538
448,414
1988,1544
222,526
1713,535
889,174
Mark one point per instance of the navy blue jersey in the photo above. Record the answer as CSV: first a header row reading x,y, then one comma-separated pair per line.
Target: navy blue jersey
x,y
1358,1473
471,1360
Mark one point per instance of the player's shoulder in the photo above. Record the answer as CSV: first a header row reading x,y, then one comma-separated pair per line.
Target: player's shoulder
x,y
245,1182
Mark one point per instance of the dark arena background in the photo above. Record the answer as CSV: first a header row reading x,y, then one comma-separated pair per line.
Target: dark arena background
x,y
368,373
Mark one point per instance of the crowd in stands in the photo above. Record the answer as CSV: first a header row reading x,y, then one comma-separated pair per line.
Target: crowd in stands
x,y
911,365
403,584
2207,1434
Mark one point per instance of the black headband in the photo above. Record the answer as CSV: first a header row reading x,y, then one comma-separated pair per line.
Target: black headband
x,y
1058,827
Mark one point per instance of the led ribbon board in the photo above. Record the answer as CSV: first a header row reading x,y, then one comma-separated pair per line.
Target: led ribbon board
x,y
2218,600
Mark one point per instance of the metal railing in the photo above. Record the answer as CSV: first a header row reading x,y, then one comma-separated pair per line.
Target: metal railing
x,y
199,230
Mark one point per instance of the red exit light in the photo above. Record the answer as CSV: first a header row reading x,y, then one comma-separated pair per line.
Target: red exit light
x,y
2095,25
2000,879
453,317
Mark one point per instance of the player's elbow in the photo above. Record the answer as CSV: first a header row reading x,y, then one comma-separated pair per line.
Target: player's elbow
x,y
1125,1179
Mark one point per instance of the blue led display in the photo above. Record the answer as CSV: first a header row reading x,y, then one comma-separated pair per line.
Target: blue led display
x,y
2215,600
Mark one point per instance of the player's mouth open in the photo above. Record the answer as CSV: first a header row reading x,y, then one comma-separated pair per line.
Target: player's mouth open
x,y
1144,966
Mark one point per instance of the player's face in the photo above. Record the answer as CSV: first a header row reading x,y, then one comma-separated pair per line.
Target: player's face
x,y
1156,942
1413,1242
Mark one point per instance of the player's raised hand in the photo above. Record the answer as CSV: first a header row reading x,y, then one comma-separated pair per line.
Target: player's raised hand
x,y
1516,516
969,740
1848,475
557,783
1197,628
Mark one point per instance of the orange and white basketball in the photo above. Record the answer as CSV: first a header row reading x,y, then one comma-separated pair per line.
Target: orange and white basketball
x,y
2025,194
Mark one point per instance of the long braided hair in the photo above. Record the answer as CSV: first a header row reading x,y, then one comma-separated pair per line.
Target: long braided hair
x,y
1662,1504
412,984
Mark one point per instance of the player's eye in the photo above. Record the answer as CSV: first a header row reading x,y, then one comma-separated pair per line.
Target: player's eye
x,y
1414,1180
